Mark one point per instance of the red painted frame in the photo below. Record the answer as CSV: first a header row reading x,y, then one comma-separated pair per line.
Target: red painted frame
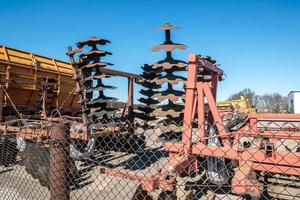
x,y
183,155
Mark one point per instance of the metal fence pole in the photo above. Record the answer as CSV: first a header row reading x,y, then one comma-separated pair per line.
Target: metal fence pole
x,y
59,163
1,101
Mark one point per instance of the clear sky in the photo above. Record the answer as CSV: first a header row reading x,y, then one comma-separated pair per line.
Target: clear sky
x,y
257,42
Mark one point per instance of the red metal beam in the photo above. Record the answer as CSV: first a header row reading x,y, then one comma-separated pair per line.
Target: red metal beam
x,y
119,73
205,64
286,158
274,116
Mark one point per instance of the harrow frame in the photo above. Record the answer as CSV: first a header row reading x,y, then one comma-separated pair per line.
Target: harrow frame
x,y
184,154
250,159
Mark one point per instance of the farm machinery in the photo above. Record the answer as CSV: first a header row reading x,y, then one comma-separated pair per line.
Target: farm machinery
x,y
251,154
238,154
229,108
37,91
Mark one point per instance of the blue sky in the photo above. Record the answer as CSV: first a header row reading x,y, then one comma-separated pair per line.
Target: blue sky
x,y
257,42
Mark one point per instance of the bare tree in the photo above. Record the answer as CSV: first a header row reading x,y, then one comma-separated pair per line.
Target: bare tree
x,y
247,93
274,103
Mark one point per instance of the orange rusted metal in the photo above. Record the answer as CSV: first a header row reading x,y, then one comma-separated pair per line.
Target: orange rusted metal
x,y
260,156
22,74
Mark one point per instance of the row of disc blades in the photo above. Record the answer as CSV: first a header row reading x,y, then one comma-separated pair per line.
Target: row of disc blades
x,y
88,73
172,106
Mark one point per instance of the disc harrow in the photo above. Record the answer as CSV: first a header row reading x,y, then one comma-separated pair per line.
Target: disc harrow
x,y
251,155
168,66
89,81
148,102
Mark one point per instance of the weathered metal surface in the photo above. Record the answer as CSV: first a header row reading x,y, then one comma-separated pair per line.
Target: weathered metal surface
x,y
170,78
260,156
1,101
87,69
168,47
257,157
145,110
173,106
171,97
169,64
92,42
59,163
120,73
22,73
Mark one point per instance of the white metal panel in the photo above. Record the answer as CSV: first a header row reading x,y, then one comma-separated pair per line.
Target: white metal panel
x,y
296,102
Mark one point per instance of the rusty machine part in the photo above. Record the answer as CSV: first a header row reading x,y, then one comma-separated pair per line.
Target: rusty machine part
x,y
45,83
48,93
97,116
173,107
217,141
22,74
145,111
46,89
231,108
86,66
243,166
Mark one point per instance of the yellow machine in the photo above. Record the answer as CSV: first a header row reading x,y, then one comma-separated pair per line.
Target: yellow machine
x,y
33,81
241,103
229,107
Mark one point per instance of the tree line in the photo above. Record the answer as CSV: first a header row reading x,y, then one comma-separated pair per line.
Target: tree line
x,y
274,103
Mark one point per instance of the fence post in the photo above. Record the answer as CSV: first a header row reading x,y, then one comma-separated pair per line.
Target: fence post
x,y
1,101
130,99
59,162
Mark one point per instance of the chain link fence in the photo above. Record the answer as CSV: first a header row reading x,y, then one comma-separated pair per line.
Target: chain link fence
x,y
154,161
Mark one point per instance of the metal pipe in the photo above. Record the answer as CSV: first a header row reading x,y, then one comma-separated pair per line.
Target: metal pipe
x,y
59,162
78,86
130,99
119,73
1,103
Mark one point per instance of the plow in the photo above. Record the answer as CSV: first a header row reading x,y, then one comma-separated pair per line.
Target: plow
x,y
255,155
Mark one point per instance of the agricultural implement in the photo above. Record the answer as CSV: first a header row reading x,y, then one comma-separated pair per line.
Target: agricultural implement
x,y
37,91
244,153
34,85
237,153
36,88
229,108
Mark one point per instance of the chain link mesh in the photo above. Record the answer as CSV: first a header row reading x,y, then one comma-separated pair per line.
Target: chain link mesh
x,y
151,161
